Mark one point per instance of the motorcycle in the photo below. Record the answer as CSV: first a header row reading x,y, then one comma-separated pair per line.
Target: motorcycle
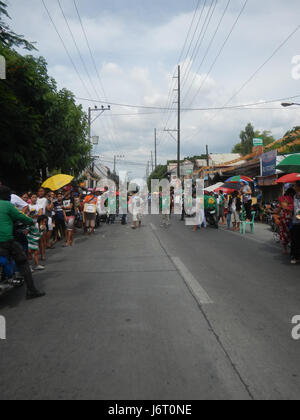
x,y
212,218
9,279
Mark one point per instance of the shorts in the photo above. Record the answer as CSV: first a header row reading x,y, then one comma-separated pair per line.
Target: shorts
x,y
137,217
235,217
221,211
50,224
90,220
60,223
70,223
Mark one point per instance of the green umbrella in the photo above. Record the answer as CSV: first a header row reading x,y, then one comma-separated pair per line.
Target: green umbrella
x,y
291,164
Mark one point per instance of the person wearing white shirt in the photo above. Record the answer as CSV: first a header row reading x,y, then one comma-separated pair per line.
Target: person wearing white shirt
x,y
19,203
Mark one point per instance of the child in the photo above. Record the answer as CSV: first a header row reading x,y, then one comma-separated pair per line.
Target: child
x,y
33,236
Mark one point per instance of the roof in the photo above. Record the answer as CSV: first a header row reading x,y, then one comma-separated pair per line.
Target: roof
x,y
200,163
222,159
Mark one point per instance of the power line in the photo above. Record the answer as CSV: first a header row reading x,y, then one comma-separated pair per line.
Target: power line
x,y
190,30
264,64
187,109
96,69
77,48
66,49
220,51
256,72
171,90
200,40
195,32
208,49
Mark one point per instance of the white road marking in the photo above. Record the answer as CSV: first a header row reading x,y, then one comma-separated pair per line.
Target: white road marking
x,y
153,227
197,291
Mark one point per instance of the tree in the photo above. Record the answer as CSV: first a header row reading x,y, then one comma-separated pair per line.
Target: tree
x,y
41,128
159,173
291,137
246,145
8,37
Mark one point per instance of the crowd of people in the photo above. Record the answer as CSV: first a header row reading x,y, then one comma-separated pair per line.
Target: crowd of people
x,y
33,223
234,208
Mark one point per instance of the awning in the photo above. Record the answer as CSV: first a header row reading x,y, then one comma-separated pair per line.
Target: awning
x,y
214,187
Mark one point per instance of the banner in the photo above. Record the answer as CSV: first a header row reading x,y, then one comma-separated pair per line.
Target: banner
x,y
269,163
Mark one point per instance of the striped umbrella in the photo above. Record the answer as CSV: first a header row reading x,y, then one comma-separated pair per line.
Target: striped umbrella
x,y
239,179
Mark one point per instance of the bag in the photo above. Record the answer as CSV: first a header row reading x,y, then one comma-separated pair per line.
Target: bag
x,y
90,208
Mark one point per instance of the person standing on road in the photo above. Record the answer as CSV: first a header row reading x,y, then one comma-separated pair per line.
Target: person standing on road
x,y
59,218
69,208
9,247
247,199
295,231
284,217
136,207
235,207
165,209
90,213
221,207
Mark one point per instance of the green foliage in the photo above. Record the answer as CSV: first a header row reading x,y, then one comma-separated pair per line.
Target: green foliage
x,y
41,128
246,145
8,37
291,137
159,173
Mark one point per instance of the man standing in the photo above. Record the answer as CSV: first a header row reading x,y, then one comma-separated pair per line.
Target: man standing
x,y
136,207
9,248
90,213
221,206
295,232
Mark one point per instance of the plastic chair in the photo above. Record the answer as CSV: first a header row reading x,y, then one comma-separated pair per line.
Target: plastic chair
x,y
244,224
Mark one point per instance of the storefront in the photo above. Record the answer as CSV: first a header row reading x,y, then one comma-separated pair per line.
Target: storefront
x,y
270,190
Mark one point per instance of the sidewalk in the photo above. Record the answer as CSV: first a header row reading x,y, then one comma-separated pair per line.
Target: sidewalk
x,y
262,234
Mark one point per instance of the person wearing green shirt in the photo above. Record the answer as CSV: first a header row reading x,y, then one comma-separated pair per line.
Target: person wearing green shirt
x,y
210,203
9,247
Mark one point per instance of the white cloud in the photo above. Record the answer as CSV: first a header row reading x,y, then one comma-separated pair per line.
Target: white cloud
x,y
136,59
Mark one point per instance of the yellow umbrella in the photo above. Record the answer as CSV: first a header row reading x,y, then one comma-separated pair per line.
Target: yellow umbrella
x,y
57,182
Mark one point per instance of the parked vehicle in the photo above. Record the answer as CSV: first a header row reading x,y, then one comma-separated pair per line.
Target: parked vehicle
x,y
212,218
9,279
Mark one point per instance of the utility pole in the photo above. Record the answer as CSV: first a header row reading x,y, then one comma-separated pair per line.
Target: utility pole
x,y
155,147
179,123
152,164
90,122
207,156
178,131
115,161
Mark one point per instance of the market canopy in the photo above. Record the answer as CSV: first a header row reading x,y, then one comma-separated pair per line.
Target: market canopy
x,y
291,164
212,188
289,179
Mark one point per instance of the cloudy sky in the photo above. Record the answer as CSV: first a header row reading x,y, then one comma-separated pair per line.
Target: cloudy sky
x,y
136,46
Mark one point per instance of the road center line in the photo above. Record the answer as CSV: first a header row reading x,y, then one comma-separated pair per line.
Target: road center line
x,y
153,227
193,285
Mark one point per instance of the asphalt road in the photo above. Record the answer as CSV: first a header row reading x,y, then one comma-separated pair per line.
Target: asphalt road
x,y
156,314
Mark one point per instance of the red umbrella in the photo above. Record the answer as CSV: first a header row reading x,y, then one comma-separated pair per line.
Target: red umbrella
x,y
288,179
225,190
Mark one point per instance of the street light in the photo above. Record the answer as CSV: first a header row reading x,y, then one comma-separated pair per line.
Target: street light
x,y
287,104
